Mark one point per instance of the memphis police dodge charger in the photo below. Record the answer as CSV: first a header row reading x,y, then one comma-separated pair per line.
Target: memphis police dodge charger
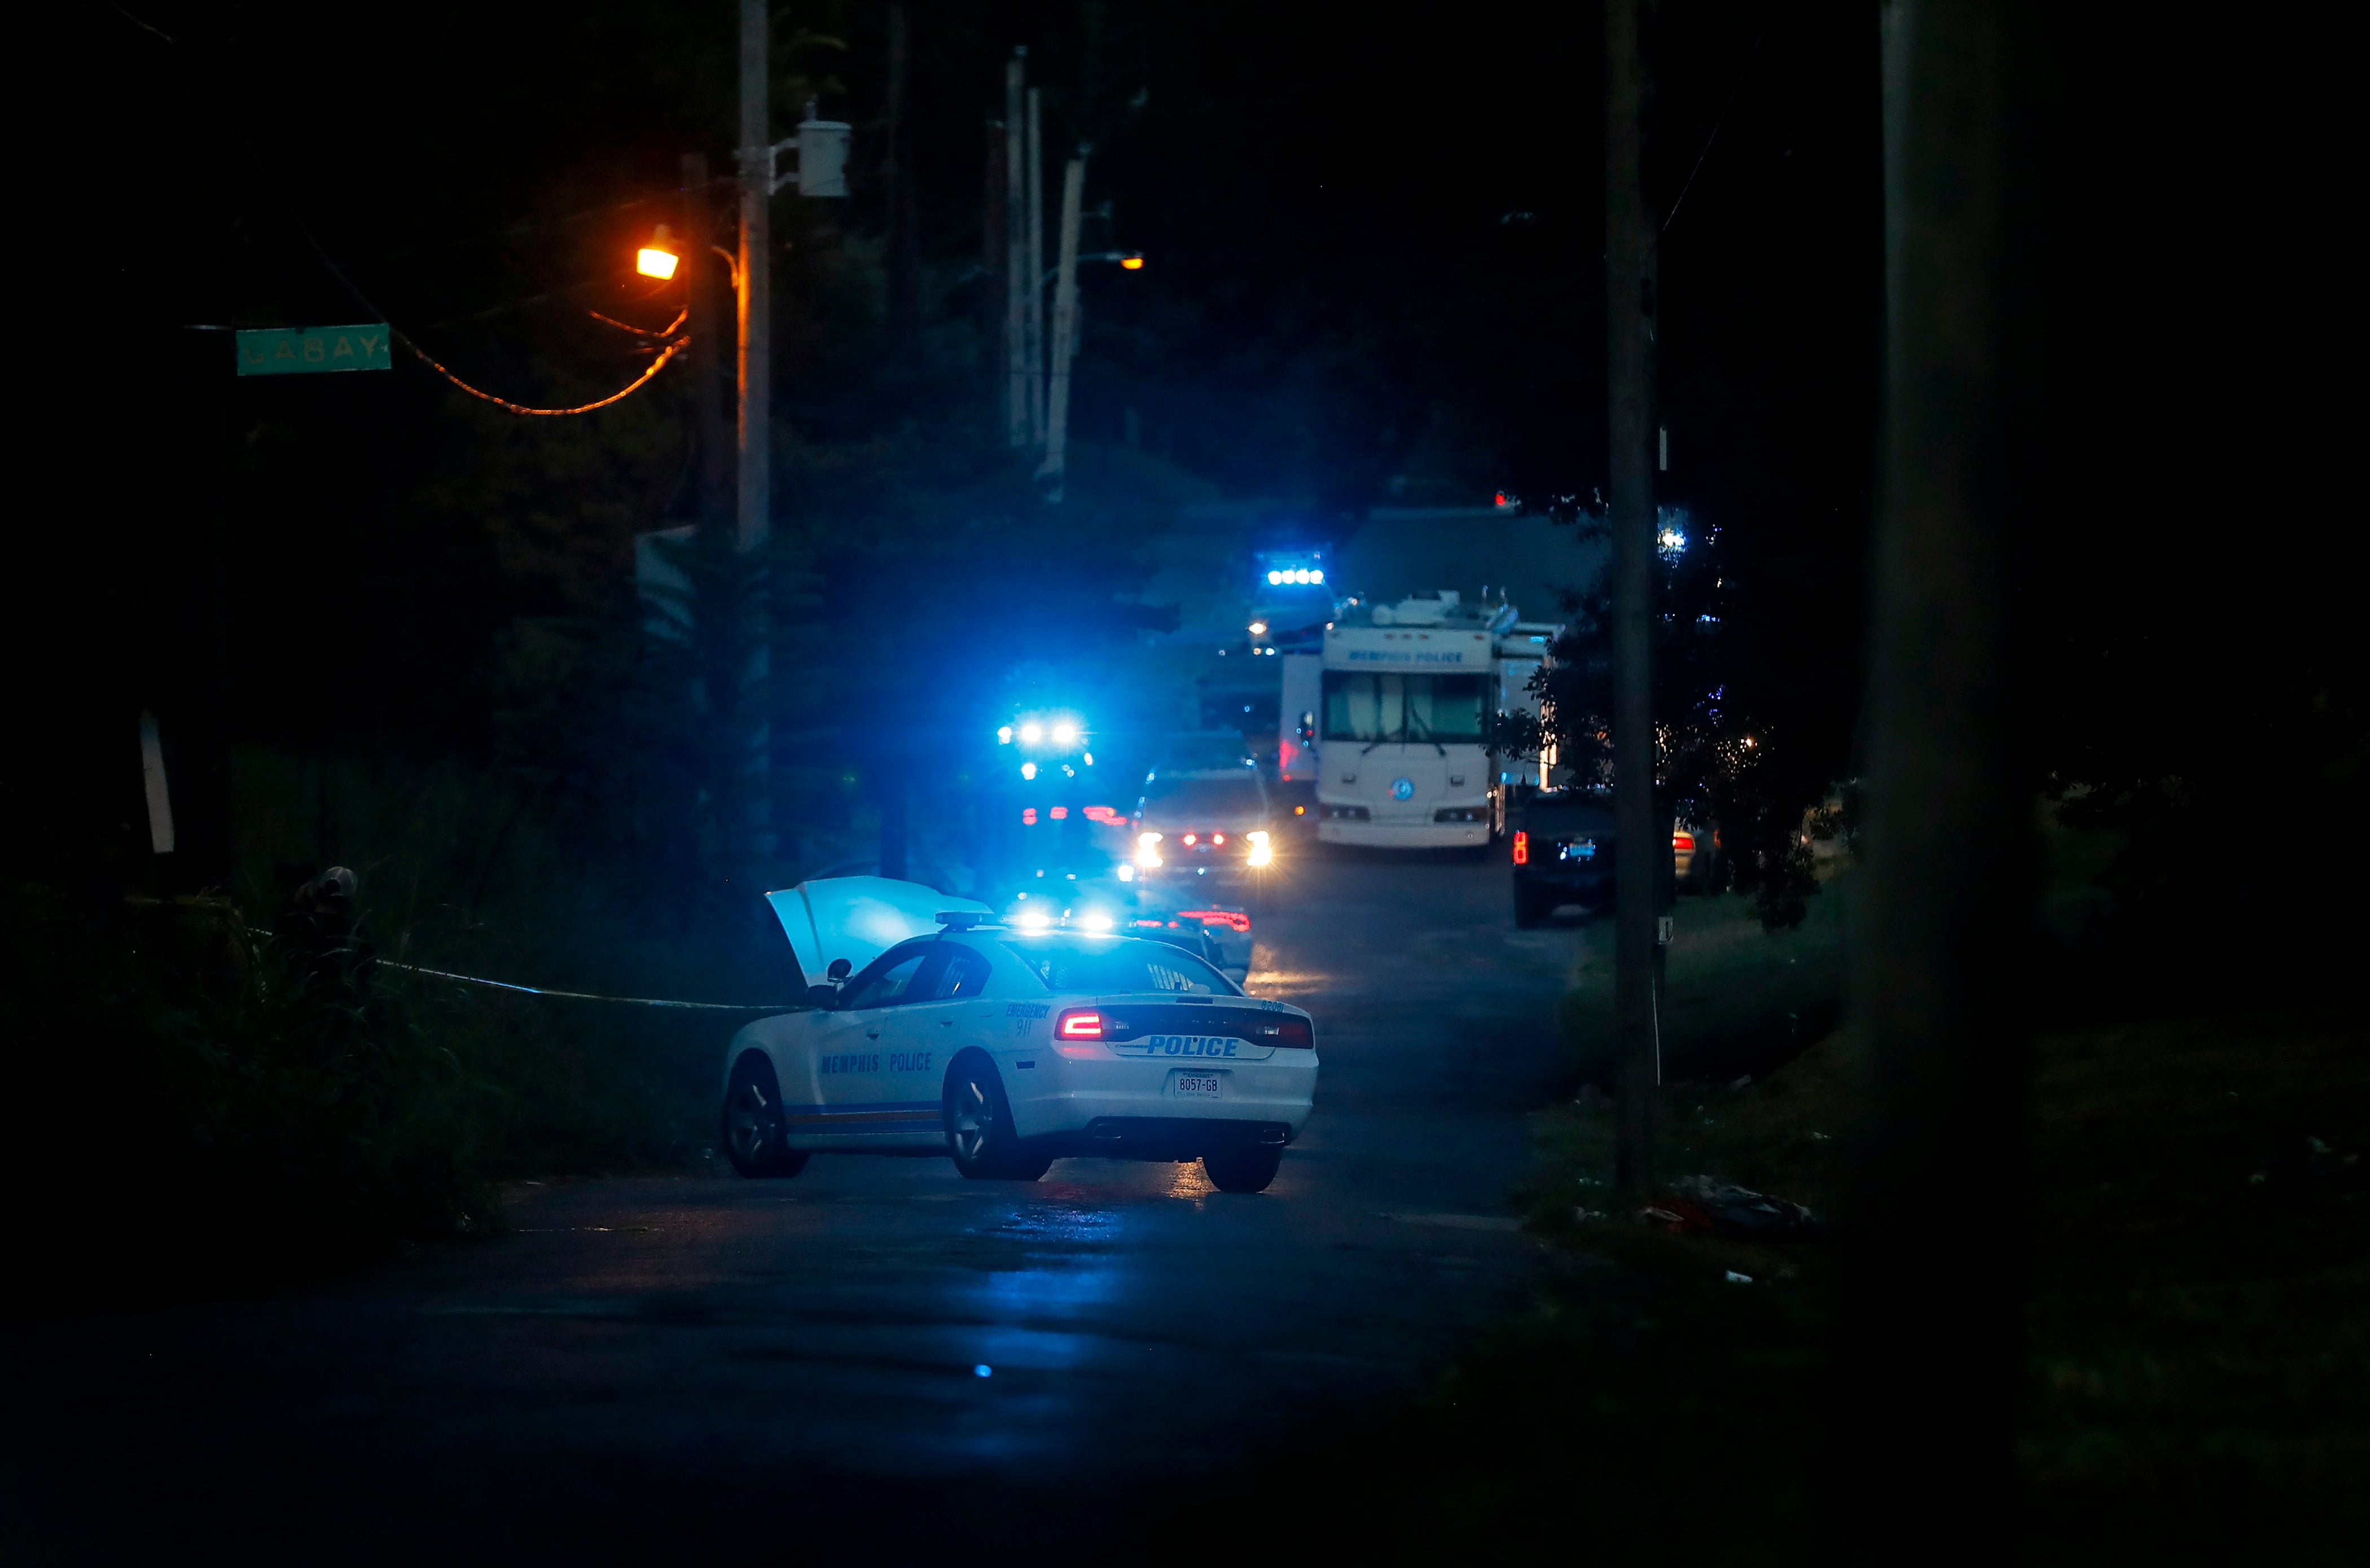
x,y
1008,1049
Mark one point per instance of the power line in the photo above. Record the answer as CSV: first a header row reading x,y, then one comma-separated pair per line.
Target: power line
x,y
1716,124
321,253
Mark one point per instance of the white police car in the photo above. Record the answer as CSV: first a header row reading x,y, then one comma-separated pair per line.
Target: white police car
x,y
1007,1049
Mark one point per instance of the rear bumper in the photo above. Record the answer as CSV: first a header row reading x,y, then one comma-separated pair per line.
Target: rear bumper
x,y
1131,1105
1166,1138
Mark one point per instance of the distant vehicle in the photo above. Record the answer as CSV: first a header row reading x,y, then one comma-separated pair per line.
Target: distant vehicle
x,y
1403,731
1211,826
1560,844
1007,1049
1291,601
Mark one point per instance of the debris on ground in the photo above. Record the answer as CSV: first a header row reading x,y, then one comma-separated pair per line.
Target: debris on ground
x,y
1700,1204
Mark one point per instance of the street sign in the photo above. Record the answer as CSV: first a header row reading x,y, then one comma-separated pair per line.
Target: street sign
x,y
298,351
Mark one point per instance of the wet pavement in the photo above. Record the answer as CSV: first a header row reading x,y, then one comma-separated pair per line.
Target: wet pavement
x,y
877,1361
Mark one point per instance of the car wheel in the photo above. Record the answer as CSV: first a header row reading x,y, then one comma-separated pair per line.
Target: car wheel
x,y
1242,1169
752,1125
980,1138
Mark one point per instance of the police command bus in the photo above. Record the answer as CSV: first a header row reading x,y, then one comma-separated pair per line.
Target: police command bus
x,y
1402,720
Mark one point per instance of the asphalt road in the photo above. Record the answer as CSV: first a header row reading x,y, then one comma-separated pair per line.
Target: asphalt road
x,y
661,1368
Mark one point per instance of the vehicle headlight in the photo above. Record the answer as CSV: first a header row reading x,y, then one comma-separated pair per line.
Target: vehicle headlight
x,y
1032,919
1095,920
1262,852
1148,849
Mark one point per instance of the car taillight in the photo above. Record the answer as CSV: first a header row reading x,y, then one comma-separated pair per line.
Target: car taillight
x,y
1081,1023
1296,1032
1521,847
1217,839
1683,842
1190,838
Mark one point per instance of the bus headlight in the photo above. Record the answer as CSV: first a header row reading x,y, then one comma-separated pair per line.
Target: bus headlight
x,y
1148,850
1262,852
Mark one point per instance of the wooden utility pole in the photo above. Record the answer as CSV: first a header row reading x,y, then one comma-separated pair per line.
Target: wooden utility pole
x,y
1053,472
1629,392
1929,1339
1032,272
1017,276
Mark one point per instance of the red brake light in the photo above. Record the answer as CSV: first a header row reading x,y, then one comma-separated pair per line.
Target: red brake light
x,y
1027,816
1521,847
1683,841
1217,839
1189,839
1058,812
1234,917
1085,1024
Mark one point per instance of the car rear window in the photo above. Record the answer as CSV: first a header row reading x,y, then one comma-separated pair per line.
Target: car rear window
x,y
1117,964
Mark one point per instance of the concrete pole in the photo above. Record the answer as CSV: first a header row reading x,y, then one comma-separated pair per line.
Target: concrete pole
x,y
756,314
754,524
1032,243
1017,279
1052,471
1630,376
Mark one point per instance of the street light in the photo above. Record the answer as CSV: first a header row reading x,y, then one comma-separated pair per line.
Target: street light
x,y
658,259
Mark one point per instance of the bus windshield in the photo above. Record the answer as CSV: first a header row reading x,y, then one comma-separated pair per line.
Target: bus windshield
x,y
1363,706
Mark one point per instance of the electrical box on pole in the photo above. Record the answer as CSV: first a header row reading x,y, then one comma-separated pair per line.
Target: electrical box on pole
x,y
822,157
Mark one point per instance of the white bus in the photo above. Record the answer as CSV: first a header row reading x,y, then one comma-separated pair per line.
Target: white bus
x,y
1402,726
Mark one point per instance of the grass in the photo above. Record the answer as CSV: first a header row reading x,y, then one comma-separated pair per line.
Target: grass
x,y
2197,1328
1736,999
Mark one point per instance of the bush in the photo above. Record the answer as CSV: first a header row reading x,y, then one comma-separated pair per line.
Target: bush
x,y
198,1105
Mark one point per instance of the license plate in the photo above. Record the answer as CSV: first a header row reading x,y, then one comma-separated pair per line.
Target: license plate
x,y
1203,1084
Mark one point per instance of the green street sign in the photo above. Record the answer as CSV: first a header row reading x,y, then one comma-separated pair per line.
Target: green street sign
x,y
298,350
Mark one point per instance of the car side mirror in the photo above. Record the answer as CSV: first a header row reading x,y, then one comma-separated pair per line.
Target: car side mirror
x,y
823,997
840,969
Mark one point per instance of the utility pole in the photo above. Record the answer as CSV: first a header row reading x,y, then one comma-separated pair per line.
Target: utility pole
x,y
706,334
1629,375
996,262
1052,471
1971,105
1017,276
752,749
756,315
1032,244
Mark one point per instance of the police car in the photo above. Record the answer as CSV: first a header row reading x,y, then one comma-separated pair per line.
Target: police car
x,y
1006,1048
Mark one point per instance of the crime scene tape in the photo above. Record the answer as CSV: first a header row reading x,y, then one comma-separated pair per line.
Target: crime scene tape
x,y
589,996
545,991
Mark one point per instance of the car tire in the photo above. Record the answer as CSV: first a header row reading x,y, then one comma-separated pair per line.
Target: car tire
x,y
980,1138
1242,1169
753,1127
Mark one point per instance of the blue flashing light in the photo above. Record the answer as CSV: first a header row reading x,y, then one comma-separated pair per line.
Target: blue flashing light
x,y
982,1370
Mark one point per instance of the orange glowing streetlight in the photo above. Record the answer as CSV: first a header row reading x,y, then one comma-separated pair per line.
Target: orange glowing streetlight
x,y
658,259
1132,261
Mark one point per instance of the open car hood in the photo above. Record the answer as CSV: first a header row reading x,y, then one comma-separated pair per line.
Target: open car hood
x,y
857,918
